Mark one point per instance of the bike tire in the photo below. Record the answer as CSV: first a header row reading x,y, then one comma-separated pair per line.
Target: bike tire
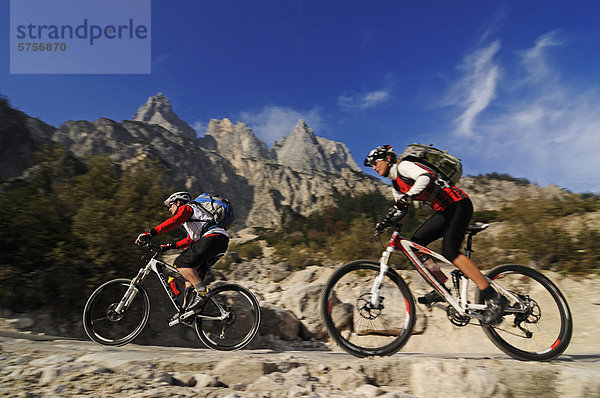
x,y
103,325
549,319
239,328
351,322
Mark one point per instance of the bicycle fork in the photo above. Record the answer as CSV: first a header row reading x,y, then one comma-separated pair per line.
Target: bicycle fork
x,y
132,290
383,269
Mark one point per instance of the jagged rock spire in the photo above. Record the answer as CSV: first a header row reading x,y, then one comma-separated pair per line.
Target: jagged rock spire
x,y
158,110
303,150
236,140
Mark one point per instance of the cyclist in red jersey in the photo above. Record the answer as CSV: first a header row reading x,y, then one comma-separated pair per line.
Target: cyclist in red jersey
x,y
204,240
453,212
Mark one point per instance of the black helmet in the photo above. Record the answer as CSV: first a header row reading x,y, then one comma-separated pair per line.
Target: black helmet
x,y
381,152
183,196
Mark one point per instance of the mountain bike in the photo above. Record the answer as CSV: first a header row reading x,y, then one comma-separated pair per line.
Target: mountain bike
x,y
369,310
117,311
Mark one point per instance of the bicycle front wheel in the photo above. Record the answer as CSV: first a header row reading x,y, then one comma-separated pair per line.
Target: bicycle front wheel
x,y
101,321
354,323
229,319
536,327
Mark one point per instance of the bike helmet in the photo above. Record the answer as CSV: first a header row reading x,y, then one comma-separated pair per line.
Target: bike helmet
x,y
183,196
381,152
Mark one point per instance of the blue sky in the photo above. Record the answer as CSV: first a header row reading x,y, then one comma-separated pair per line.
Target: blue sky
x,y
510,87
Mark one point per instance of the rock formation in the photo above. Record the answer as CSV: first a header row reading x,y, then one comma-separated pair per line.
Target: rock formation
x,y
157,110
297,175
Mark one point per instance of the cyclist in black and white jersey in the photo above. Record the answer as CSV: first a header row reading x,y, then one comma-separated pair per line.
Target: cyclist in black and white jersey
x,y
204,241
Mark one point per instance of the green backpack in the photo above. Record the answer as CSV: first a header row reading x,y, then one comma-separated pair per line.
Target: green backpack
x,y
446,166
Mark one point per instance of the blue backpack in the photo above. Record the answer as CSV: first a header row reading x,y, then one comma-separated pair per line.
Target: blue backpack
x,y
218,208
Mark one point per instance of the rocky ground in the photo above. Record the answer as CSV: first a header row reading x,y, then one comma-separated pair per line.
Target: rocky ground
x,y
292,355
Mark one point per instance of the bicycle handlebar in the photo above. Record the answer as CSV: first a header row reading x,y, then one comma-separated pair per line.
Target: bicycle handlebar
x,y
147,245
392,219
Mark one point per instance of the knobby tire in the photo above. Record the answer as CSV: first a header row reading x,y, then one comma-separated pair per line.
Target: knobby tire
x,y
550,321
103,325
354,324
236,331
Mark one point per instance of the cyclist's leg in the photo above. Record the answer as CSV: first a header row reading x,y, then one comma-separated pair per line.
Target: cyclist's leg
x,y
432,229
460,217
196,257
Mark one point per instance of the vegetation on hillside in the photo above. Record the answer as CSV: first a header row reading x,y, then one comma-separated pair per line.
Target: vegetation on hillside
x,y
72,227
534,234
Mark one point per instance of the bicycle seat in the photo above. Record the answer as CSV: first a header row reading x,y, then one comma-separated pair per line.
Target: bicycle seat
x,y
475,229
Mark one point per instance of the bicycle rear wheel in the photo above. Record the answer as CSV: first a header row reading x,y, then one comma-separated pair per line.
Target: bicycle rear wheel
x,y
240,324
354,324
107,327
538,329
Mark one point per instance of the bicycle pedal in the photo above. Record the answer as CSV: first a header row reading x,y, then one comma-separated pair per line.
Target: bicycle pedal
x,y
174,322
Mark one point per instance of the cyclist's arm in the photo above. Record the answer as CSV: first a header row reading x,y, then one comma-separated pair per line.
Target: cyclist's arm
x,y
183,214
182,244
418,174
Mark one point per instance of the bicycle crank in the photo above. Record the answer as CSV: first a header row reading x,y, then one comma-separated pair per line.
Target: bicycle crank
x,y
455,318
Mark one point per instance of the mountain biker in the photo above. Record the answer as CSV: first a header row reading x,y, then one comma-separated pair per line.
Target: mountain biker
x,y
453,212
205,239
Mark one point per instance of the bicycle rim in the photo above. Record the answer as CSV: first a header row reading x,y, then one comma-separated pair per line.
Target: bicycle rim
x,y
103,325
354,324
239,327
543,331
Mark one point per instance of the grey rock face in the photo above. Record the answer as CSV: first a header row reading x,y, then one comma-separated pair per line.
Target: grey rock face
x,y
303,150
262,184
20,137
158,110
236,141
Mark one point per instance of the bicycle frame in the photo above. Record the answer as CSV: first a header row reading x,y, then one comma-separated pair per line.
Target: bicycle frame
x,y
157,266
410,249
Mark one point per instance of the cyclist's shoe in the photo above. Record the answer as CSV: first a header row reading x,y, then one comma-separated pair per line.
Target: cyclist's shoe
x,y
197,300
430,298
495,309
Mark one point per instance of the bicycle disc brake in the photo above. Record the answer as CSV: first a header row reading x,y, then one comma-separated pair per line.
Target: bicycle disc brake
x,y
366,309
228,321
113,315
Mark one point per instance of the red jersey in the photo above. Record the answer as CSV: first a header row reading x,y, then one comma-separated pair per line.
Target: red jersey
x,y
413,179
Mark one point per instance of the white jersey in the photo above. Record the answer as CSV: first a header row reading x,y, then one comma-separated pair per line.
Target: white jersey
x,y
197,224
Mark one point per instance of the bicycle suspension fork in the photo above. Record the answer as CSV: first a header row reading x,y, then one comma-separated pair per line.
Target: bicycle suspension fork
x,y
132,290
383,269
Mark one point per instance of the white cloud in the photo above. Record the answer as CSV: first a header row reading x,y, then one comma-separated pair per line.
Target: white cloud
x,y
534,60
538,126
476,89
274,122
350,102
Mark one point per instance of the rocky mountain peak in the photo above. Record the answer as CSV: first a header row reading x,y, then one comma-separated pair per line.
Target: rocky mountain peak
x,y
158,110
303,150
236,141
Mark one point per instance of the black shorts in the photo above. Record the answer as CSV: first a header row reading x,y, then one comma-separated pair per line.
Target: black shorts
x,y
198,253
450,224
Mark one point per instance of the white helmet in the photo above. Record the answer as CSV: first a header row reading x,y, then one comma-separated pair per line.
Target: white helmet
x,y
183,196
